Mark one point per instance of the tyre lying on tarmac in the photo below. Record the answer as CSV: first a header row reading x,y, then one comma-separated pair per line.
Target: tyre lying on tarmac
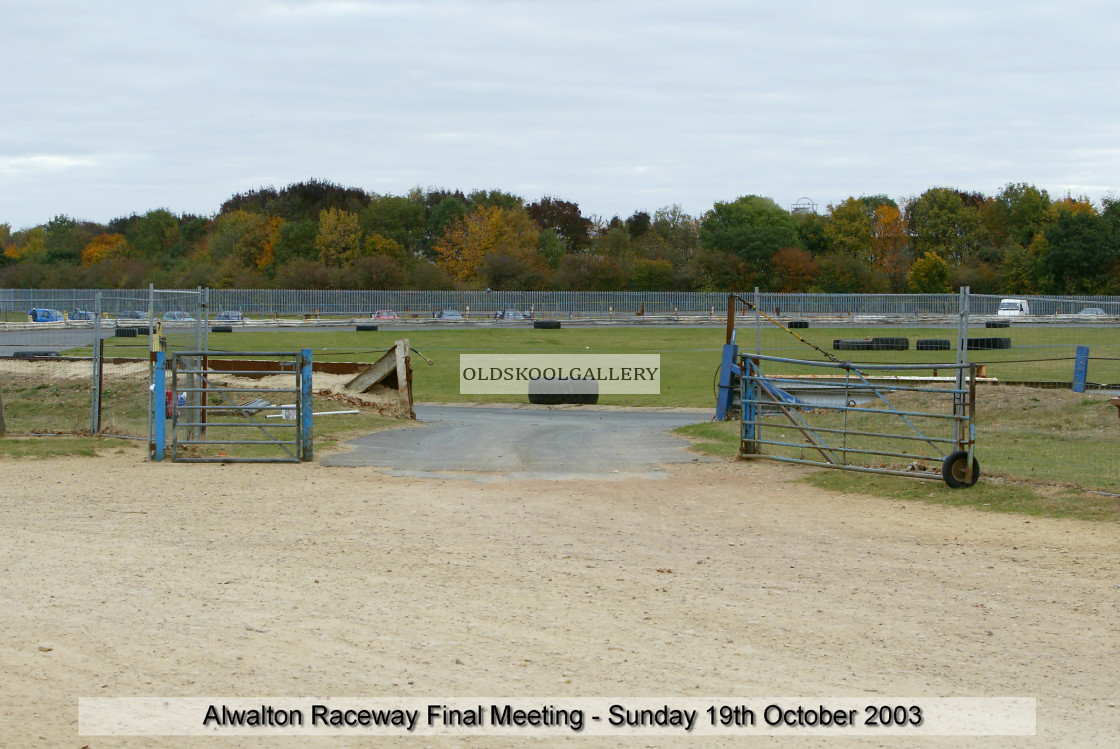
x,y
546,324
564,392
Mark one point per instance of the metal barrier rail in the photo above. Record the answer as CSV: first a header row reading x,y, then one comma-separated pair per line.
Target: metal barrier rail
x,y
198,388
761,395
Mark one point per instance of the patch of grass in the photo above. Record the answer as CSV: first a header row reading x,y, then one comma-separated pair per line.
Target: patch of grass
x,y
718,438
987,496
52,446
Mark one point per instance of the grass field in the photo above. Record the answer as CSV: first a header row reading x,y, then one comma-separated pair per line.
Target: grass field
x,y
1045,436
689,356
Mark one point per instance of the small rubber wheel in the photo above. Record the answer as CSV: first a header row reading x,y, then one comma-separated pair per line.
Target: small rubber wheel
x,y
954,470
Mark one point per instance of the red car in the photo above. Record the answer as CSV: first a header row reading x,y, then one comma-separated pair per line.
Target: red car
x,y
385,314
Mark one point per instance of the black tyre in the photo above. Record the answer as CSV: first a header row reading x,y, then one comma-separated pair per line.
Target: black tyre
x,y
954,469
932,344
221,328
796,324
366,328
988,344
997,324
890,344
546,324
125,332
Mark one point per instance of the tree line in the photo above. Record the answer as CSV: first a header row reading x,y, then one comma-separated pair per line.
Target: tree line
x,y
319,235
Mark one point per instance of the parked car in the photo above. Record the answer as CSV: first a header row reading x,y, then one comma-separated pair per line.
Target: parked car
x,y
385,314
1013,308
134,314
230,316
1092,312
40,314
450,314
177,316
513,314
81,314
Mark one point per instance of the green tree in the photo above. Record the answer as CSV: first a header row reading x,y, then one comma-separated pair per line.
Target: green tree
x,y
402,219
652,275
851,228
296,240
1019,212
843,274
752,228
930,274
1082,252
943,222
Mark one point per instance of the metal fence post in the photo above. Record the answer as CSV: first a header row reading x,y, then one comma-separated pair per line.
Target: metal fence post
x,y
959,405
159,415
95,394
757,321
306,451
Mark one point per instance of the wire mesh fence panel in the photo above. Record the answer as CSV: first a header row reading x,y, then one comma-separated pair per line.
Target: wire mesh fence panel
x,y
45,361
1034,340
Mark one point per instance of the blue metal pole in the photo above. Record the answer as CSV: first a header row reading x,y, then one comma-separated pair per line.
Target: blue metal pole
x,y
159,404
1080,368
306,451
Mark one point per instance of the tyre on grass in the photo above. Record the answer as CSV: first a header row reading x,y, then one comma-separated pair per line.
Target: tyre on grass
x,y
932,344
954,469
997,324
546,324
221,328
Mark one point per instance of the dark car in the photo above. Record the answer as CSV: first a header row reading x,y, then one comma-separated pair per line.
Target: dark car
x,y
81,314
133,315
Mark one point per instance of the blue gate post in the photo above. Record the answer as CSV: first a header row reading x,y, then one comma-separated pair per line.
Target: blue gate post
x,y
306,452
159,405
726,396
1080,369
748,435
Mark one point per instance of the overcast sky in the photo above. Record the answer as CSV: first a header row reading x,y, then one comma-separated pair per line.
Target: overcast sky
x,y
110,108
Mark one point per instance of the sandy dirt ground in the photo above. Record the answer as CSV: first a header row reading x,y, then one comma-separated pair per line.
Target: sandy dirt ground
x,y
727,580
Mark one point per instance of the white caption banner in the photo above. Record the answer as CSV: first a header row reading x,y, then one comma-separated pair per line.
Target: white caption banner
x,y
460,716
518,374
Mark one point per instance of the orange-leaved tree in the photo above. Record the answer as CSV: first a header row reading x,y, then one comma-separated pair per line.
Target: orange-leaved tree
x,y
105,247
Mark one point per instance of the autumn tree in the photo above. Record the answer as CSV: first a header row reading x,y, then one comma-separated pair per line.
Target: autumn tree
x,y
888,244
105,247
488,230
564,218
793,270
339,240
930,274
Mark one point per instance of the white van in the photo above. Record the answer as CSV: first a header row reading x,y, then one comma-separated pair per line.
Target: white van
x,y
1013,308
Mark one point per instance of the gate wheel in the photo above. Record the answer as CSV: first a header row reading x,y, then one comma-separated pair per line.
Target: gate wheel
x,y
954,470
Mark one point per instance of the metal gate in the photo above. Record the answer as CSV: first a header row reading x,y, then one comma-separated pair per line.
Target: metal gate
x,y
208,412
844,419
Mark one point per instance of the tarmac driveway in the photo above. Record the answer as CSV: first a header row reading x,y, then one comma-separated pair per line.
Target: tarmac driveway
x,y
484,443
